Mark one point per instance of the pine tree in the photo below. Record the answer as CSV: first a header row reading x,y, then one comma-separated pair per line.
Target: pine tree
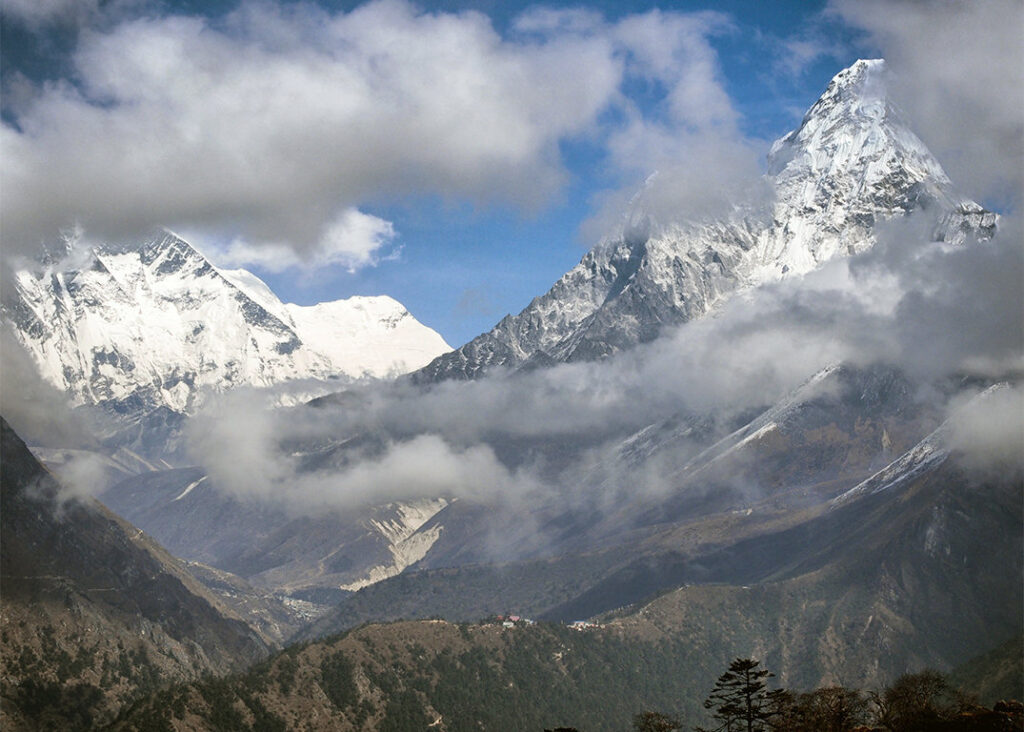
x,y
740,701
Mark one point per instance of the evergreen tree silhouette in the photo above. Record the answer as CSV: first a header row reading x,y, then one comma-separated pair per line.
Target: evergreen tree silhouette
x,y
740,700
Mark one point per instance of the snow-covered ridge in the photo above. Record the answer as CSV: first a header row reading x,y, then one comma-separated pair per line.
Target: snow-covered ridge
x,y
759,428
851,162
363,336
925,456
157,324
929,453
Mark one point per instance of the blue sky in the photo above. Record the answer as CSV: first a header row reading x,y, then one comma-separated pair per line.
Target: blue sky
x,y
459,156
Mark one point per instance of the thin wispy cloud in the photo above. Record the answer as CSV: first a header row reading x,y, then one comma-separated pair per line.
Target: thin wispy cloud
x,y
40,13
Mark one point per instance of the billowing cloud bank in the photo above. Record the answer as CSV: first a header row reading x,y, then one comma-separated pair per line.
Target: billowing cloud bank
x,y
933,310
272,129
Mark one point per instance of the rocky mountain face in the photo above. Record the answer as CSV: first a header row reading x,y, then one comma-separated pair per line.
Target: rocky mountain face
x,y
308,562
825,438
156,326
887,582
858,557
875,586
852,162
94,612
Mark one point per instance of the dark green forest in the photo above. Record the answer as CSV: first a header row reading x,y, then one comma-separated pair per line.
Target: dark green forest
x,y
421,675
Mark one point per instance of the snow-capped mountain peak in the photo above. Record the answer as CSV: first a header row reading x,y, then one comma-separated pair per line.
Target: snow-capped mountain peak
x,y
155,324
856,94
852,161
361,335
855,135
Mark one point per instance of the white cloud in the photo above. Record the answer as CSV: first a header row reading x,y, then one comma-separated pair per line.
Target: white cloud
x,y
425,466
262,126
675,51
801,52
549,21
690,137
352,239
240,442
989,428
275,119
690,175
39,412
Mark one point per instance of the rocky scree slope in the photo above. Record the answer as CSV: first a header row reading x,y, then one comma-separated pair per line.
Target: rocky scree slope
x,y
318,558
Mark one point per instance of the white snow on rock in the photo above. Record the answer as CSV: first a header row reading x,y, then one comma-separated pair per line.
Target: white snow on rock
x,y
922,458
158,325
850,163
